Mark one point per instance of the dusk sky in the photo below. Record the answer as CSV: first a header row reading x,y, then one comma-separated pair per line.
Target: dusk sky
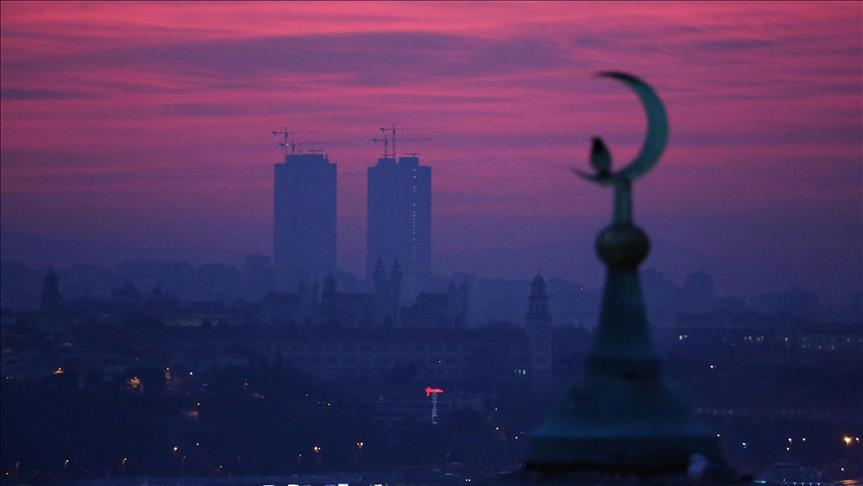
x,y
148,126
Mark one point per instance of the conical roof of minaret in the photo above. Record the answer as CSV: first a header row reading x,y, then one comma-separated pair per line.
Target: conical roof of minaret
x,y
537,287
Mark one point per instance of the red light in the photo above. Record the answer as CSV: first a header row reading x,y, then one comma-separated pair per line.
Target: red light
x,y
430,390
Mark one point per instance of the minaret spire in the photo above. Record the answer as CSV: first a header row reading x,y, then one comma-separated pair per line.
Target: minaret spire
x,y
624,415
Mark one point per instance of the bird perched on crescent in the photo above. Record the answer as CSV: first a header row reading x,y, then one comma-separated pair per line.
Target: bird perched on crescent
x,y
600,158
654,144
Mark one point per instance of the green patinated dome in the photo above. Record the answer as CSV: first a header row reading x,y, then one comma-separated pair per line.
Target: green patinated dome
x,y
622,245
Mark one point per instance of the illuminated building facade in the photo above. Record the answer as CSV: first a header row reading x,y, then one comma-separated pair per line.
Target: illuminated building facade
x,y
399,218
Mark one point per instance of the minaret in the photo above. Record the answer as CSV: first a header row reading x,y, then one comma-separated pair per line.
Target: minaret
x,y
464,303
379,276
537,323
51,298
316,291
328,292
624,415
327,309
396,272
305,298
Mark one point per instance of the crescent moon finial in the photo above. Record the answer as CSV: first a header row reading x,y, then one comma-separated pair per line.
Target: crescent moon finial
x,y
657,131
654,144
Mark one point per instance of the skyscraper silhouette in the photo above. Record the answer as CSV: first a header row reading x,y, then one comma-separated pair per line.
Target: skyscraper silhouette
x,y
399,217
51,298
304,219
537,323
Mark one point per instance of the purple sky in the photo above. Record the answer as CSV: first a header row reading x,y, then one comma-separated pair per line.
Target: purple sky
x,y
147,125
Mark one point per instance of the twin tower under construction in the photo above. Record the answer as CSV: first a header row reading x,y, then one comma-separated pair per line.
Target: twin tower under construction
x,y
305,215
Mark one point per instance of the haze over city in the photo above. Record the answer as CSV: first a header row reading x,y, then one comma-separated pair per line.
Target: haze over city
x,y
145,129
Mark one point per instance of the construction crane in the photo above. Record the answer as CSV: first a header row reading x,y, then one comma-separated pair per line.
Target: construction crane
x,y
390,134
286,140
433,393
386,142
289,142
295,146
